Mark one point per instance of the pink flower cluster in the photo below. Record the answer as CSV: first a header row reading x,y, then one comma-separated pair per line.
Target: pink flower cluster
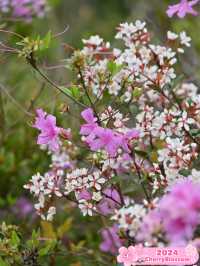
x,y
57,142
98,137
180,211
182,8
49,131
111,241
24,9
176,215
164,118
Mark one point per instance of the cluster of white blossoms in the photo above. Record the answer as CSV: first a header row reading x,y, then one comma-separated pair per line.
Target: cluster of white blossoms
x,y
141,128
129,217
141,63
170,129
177,154
118,119
86,187
46,188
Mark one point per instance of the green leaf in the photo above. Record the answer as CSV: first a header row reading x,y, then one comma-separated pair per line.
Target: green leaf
x,y
15,240
50,245
73,91
3,263
184,172
44,251
48,230
137,92
142,154
65,227
113,67
47,40
34,242
195,132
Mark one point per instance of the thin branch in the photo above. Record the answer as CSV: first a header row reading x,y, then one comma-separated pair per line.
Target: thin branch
x,y
3,89
32,62
140,178
12,33
32,103
61,33
87,94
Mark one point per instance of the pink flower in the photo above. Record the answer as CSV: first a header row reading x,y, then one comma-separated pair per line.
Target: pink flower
x,y
181,220
127,256
84,194
88,128
103,138
24,9
49,131
151,224
91,124
177,215
182,8
111,241
130,135
110,201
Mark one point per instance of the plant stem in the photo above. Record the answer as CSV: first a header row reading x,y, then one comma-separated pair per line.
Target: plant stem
x,y
140,178
88,96
32,62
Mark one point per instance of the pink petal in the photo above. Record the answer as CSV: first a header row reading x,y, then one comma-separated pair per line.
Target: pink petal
x,y
88,115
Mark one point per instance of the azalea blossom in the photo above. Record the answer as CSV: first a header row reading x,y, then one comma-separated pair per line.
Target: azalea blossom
x,y
111,240
179,222
139,135
91,120
24,9
182,8
49,131
98,137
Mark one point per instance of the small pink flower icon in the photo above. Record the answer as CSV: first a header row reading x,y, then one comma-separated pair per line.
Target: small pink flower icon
x,y
192,252
127,256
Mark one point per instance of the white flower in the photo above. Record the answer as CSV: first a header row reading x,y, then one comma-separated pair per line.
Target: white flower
x,y
171,35
116,52
177,154
95,180
41,203
184,39
188,90
145,53
36,184
114,88
195,175
139,25
51,213
180,50
86,207
130,217
77,179
69,187
127,32
97,196
184,121
168,75
93,40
